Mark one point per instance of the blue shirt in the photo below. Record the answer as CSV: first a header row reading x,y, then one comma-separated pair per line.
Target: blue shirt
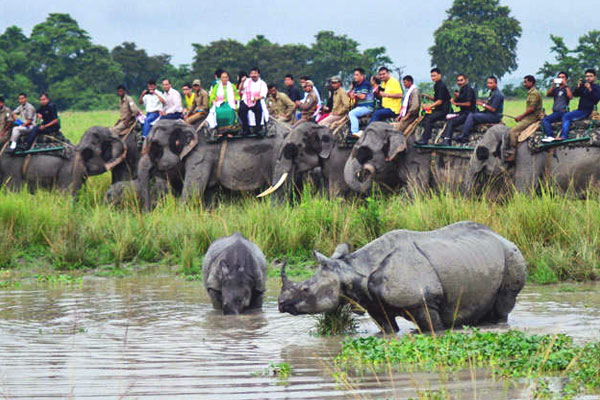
x,y
364,88
587,99
496,100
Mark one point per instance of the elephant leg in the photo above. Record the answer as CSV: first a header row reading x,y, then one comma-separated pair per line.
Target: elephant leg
x,y
196,179
215,298
144,171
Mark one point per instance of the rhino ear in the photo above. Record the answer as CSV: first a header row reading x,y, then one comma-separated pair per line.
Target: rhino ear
x,y
341,250
321,258
224,268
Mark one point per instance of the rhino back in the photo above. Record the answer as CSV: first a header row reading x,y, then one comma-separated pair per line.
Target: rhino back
x,y
235,250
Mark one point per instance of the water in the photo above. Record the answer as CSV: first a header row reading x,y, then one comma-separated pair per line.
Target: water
x,y
158,338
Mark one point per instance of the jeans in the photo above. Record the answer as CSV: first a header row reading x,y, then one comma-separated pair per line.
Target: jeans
x,y
150,118
355,114
549,120
381,114
478,118
175,115
576,115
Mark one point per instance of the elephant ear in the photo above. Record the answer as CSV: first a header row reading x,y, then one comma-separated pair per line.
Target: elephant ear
x,y
326,139
191,140
395,144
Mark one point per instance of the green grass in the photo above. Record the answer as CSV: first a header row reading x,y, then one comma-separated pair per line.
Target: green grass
x,y
558,235
511,355
339,322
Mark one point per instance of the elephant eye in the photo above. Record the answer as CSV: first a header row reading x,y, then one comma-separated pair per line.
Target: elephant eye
x,y
87,154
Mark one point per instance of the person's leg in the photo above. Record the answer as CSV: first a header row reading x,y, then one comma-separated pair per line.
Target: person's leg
x,y
452,124
516,131
549,120
150,118
429,120
354,116
243,114
31,135
257,110
381,114
569,117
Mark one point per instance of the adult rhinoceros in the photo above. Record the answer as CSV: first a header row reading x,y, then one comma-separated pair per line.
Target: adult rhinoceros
x,y
464,273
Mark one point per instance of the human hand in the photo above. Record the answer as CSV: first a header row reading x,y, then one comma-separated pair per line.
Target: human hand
x,y
519,118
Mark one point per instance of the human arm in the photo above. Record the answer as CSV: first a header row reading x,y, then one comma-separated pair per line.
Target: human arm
x,y
141,98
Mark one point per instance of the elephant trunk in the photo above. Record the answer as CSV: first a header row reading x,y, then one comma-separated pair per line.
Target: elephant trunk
x,y
144,168
79,174
359,177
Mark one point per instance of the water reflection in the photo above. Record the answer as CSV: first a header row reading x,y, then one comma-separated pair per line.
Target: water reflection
x,y
159,337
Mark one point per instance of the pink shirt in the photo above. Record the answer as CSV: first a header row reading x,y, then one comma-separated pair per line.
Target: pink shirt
x,y
173,99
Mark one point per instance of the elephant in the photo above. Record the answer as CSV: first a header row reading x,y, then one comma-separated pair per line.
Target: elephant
x,y
96,153
383,154
567,167
234,272
193,165
310,147
461,274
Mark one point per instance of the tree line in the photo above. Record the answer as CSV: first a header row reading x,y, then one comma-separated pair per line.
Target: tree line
x,y
60,58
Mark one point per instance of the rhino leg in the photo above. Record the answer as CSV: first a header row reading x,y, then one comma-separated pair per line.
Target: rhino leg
x,y
215,298
385,321
257,299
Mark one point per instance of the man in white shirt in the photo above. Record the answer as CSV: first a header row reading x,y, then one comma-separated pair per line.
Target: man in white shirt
x,y
153,100
172,108
253,99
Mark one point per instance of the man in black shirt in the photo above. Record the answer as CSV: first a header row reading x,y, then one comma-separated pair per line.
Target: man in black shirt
x,y
292,91
49,116
466,101
440,107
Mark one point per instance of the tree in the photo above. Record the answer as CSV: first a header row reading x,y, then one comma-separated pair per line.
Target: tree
x,y
574,62
15,65
478,38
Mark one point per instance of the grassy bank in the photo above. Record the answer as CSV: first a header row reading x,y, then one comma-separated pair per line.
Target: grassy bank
x,y
559,236
512,355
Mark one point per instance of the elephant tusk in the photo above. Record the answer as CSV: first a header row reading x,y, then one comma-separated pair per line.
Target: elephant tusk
x,y
274,188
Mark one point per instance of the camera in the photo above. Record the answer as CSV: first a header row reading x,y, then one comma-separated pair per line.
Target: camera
x,y
558,81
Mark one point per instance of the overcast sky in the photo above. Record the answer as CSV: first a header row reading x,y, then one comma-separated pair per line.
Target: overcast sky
x,y
404,27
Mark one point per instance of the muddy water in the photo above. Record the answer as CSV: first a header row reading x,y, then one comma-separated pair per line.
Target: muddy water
x,y
147,338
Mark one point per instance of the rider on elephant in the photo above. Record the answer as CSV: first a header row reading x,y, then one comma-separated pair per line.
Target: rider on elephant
x,y
128,113
411,104
309,104
493,108
531,115
200,107
223,103
341,103
253,99
280,106
6,120
440,107
466,100
50,122
153,100
25,121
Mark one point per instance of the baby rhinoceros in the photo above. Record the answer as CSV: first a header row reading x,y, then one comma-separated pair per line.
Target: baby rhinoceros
x,y
462,274
234,272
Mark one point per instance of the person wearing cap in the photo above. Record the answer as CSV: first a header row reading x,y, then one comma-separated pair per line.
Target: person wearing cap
x,y
309,104
280,106
128,112
200,108
6,120
153,100
26,115
341,103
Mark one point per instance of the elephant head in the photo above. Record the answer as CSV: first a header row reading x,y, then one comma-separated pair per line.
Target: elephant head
x,y
487,160
323,291
301,151
97,152
379,145
169,142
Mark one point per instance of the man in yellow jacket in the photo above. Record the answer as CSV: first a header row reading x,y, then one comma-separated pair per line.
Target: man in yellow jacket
x,y
390,93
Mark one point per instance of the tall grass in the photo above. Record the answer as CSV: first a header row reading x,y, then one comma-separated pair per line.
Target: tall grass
x,y
558,235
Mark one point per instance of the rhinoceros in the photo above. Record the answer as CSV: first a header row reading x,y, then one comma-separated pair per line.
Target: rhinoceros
x,y
234,272
461,274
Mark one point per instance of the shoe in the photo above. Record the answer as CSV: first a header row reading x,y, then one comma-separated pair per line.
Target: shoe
x,y
357,134
548,139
